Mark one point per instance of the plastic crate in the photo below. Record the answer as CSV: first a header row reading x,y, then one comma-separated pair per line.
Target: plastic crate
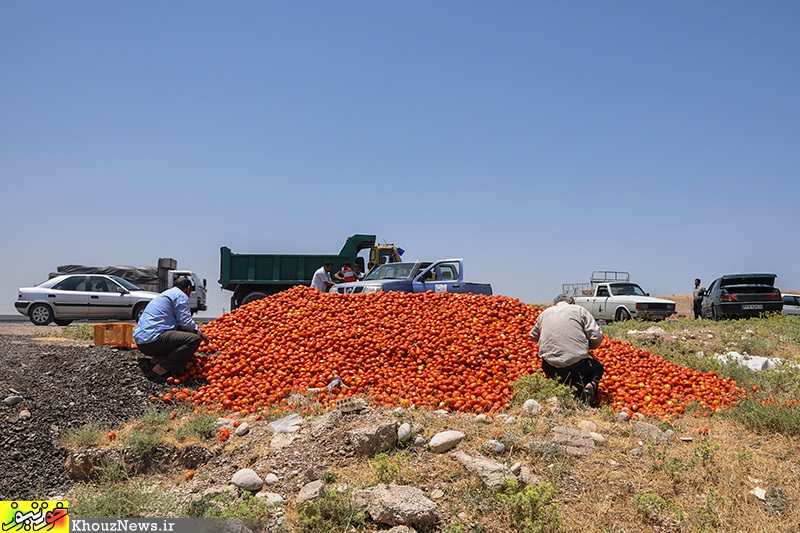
x,y
117,334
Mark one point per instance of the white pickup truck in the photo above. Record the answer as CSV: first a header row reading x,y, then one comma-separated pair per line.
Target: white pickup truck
x,y
624,300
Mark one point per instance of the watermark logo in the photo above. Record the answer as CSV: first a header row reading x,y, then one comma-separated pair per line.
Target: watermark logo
x,y
34,516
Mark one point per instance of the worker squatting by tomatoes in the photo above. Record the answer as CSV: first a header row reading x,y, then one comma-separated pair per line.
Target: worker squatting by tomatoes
x,y
458,352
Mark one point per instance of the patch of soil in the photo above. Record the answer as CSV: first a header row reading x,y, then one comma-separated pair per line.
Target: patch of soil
x,y
65,385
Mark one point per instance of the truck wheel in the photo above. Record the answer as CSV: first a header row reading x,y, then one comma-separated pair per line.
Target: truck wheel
x,y
253,296
62,322
41,314
622,314
137,312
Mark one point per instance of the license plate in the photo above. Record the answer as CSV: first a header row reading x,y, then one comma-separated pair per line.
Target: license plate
x,y
752,306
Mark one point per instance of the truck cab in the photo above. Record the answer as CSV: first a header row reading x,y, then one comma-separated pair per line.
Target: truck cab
x,y
445,275
199,297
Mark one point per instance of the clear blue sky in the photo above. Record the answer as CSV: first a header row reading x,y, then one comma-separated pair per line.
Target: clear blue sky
x,y
538,140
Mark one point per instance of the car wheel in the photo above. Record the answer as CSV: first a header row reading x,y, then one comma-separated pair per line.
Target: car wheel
x,y
62,322
714,315
41,314
253,296
622,314
137,312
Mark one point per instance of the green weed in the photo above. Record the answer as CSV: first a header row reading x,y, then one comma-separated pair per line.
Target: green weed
x,y
200,425
656,510
81,332
117,496
334,512
540,388
391,468
146,434
85,436
531,508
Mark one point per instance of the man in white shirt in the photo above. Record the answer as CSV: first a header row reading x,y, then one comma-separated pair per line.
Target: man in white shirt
x,y
565,333
322,277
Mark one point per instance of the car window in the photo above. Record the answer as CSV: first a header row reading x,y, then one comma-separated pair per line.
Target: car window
x,y
72,283
448,271
101,284
602,291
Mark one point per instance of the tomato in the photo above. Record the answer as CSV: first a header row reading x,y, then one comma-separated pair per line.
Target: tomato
x,y
436,350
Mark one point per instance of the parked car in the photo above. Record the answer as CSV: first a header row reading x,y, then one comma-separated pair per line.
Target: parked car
x,y
791,304
63,299
741,296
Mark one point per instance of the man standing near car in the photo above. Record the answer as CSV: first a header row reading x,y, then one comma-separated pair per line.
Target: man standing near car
x,y
697,298
167,333
322,277
565,333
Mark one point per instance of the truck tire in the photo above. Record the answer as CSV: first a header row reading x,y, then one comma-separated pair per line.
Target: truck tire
x,y
62,322
40,314
253,296
137,311
622,314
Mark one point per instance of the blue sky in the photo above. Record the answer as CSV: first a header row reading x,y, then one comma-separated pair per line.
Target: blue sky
x,y
538,140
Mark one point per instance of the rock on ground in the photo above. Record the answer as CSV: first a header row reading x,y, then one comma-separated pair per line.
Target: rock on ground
x,y
401,505
445,441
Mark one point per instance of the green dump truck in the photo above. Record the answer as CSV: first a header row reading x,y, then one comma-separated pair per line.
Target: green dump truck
x,y
254,276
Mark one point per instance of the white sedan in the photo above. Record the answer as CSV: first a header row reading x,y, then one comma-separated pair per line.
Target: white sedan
x,y
63,299
791,304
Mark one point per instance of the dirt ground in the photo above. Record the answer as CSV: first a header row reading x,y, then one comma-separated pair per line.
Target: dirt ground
x,y
64,385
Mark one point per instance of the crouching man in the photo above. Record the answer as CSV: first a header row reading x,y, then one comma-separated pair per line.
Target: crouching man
x,y
565,333
167,333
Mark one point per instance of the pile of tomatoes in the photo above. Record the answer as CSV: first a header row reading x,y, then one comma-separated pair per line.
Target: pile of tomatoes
x,y
436,350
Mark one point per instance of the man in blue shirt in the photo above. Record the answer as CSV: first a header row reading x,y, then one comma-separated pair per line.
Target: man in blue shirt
x,y
167,333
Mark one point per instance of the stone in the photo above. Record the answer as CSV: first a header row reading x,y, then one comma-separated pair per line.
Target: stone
x,y
510,421
576,442
532,406
445,441
325,423
310,491
440,413
491,472
598,438
483,419
635,452
271,479
437,494
515,468
646,431
495,446
528,477
243,429
273,499
623,416
13,399
401,505
404,432
282,440
420,441
401,529
247,479
24,415
378,437
353,404
587,425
